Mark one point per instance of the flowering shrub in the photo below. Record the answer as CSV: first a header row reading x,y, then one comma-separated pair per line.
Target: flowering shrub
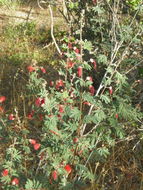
x,y
74,121
72,124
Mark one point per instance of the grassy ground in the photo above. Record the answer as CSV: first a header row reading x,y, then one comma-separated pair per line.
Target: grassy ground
x,y
24,41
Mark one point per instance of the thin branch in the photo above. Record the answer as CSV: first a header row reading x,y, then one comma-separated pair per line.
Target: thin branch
x,y
95,127
97,141
134,67
52,30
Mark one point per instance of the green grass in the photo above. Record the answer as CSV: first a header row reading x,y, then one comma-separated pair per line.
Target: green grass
x,y
10,3
22,45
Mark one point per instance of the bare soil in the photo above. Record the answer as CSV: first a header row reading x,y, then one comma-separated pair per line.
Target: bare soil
x,y
27,14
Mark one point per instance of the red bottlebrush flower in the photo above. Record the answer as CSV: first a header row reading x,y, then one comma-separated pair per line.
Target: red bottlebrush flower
x,y
79,71
15,181
5,172
51,83
37,146
68,168
92,90
75,140
70,45
70,64
43,70
2,99
116,116
94,63
32,141
110,90
50,115
55,133
30,115
39,102
42,101
59,84
40,117
76,50
87,103
94,1
31,68
11,117
1,109
89,78
54,175
61,108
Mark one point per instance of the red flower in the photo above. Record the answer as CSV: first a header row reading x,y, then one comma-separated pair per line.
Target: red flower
x,y
68,168
61,108
79,71
116,116
70,64
54,175
37,146
55,133
39,102
94,63
92,90
75,140
31,68
32,141
15,181
110,90
30,115
76,50
2,99
59,84
89,78
51,83
11,117
43,70
94,1
41,117
87,103
5,172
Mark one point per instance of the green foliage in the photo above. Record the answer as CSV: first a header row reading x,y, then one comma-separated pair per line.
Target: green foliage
x,y
134,4
72,124
9,3
32,184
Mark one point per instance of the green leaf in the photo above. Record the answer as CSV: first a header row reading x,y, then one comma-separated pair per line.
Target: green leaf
x,y
102,59
32,184
99,115
105,98
75,113
87,45
103,152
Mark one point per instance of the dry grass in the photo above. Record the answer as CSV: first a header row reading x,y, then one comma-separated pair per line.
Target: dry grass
x,y
123,170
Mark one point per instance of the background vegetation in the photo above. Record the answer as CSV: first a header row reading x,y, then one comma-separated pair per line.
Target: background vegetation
x,y
71,96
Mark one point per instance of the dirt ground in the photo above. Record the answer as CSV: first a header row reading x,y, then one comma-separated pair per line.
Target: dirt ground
x,y
27,14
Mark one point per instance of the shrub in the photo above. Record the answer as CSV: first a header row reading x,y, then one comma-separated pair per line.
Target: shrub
x,y
75,121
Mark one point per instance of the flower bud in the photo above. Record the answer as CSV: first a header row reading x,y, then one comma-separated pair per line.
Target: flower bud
x,y
79,71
